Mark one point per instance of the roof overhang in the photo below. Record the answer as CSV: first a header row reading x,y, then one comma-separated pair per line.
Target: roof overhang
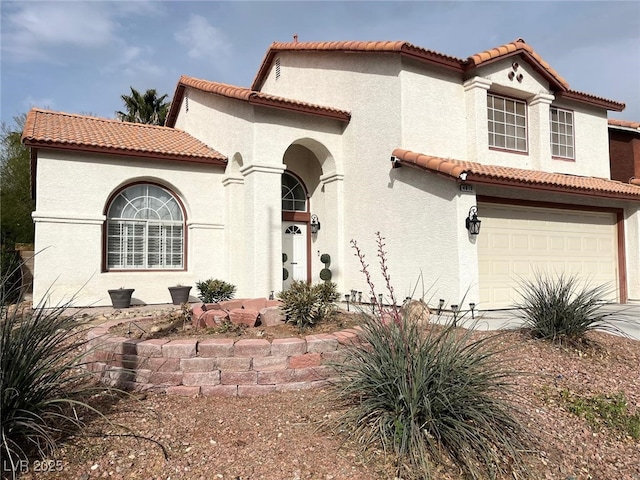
x,y
492,175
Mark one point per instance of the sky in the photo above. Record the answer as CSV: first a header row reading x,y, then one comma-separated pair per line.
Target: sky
x,y
81,56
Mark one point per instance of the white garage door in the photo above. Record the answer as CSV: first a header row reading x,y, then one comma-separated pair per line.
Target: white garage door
x,y
515,242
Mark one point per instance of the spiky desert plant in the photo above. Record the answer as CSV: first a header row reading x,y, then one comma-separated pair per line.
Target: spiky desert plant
x,y
45,386
306,305
214,290
561,308
428,396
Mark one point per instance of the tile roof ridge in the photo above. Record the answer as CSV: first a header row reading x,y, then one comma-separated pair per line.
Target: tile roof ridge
x,y
95,118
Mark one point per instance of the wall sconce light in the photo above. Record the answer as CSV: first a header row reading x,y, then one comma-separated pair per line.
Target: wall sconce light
x,y
472,222
395,162
315,224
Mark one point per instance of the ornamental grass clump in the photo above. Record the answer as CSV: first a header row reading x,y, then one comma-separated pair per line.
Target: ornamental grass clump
x,y
562,309
428,396
45,387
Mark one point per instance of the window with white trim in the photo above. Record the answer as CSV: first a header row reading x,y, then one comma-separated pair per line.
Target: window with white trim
x,y
145,229
507,123
561,126
294,195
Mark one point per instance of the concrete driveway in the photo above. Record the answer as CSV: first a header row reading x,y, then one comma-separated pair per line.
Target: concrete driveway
x,y
626,317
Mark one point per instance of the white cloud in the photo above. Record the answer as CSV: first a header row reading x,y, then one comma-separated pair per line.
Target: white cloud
x,y
37,27
202,40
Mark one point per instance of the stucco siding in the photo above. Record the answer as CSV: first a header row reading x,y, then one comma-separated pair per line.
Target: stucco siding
x,y
70,214
433,112
224,124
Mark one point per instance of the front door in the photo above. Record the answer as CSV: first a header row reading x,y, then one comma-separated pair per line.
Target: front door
x,y
294,252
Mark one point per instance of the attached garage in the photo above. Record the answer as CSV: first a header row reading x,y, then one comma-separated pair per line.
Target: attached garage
x,y
516,241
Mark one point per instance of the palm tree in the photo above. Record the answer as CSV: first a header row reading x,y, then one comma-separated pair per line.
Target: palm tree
x,y
147,108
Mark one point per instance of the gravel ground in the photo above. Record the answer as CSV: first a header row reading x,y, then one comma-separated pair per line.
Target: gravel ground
x,y
279,436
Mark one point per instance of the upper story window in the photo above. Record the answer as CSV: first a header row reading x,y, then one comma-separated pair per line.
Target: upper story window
x,y
561,126
145,229
294,195
507,122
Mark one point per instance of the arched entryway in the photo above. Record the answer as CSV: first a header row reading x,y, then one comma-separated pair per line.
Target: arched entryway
x,y
295,230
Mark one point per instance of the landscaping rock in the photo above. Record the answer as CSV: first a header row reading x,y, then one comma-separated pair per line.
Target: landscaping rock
x,y
242,316
271,316
254,304
231,304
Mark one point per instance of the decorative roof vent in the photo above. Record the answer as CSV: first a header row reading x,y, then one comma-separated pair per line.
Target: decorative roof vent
x,y
277,68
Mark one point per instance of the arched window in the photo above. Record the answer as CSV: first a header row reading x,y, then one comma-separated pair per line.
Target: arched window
x,y
145,229
294,195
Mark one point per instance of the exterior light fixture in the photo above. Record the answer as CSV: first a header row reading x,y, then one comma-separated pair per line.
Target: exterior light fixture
x,y
315,224
472,222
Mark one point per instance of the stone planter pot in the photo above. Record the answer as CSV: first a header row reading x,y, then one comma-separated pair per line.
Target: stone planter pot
x,y
121,297
179,294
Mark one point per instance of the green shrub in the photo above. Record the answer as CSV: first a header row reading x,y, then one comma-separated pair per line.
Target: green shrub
x,y
44,382
214,290
610,410
428,396
306,305
559,308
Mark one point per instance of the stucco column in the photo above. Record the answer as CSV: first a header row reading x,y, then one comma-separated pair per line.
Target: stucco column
x,y
263,229
332,232
539,132
475,92
234,235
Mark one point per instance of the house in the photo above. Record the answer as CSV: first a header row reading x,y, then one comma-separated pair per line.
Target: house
x,y
332,142
624,150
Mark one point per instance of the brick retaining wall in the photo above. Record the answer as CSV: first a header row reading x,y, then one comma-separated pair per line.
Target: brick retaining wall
x,y
216,366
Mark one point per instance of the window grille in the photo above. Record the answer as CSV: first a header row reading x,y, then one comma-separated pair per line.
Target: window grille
x,y
145,229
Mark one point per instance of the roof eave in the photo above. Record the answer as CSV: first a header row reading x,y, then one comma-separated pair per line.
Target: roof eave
x,y
541,187
334,115
172,116
29,142
531,60
588,99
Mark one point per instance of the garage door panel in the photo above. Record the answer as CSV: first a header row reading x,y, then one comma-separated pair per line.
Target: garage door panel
x,y
516,242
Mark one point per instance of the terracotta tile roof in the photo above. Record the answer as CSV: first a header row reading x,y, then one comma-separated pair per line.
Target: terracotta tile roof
x,y
624,124
251,96
44,128
472,172
518,46
592,100
401,47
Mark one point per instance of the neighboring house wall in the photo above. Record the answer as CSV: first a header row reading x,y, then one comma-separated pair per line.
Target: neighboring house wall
x,y
624,151
73,190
